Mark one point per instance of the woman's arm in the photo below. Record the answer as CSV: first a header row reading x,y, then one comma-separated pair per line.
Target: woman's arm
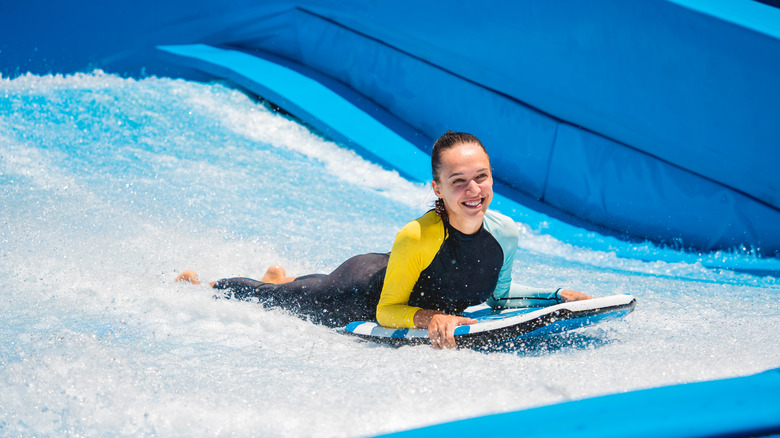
x,y
518,295
414,248
509,293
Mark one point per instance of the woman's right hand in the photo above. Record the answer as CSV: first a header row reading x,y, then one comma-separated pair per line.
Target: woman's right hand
x,y
441,327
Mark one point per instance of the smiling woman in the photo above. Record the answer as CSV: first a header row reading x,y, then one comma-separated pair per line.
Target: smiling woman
x,y
468,184
457,255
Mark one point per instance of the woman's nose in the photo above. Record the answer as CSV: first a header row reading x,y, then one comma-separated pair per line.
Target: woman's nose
x,y
472,188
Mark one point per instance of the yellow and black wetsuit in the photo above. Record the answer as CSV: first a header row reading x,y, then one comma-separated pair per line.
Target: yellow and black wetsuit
x,y
431,266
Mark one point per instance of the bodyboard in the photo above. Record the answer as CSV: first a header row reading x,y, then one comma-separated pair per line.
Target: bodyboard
x,y
497,326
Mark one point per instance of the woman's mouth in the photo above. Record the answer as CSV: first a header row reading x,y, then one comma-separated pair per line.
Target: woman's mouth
x,y
473,204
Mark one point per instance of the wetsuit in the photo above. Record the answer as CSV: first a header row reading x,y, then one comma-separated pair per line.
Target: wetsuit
x,y
431,266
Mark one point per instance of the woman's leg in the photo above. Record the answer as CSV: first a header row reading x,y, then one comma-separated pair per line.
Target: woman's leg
x,y
335,299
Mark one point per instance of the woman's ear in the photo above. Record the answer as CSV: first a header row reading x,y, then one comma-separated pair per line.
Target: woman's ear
x,y
436,189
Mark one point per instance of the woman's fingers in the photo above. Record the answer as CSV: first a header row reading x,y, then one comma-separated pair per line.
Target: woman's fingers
x,y
571,295
447,336
449,340
441,330
467,321
435,334
443,339
437,331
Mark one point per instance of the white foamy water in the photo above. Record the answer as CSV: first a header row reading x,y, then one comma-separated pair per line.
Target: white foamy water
x,y
109,187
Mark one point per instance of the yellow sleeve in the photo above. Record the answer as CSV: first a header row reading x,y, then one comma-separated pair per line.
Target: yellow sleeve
x,y
414,248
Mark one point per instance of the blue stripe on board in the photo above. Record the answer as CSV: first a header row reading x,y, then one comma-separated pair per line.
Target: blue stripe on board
x,y
353,325
400,333
462,330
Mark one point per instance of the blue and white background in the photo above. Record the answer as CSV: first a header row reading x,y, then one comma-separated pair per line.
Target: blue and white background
x,y
110,186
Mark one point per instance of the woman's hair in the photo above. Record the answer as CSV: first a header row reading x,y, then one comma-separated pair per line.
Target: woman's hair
x,y
448,140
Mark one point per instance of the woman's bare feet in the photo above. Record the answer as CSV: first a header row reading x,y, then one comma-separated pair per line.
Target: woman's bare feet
x,y
276,275
570,295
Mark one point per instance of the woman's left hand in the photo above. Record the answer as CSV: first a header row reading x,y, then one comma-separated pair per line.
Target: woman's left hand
x,y
572,295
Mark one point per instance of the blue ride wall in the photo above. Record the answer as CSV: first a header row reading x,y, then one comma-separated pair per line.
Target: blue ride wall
x,y
652,119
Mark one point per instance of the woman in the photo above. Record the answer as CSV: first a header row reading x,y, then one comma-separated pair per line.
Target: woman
x,y
457,255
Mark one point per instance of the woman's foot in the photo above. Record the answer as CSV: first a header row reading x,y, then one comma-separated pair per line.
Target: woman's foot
x,y
189,276
276,275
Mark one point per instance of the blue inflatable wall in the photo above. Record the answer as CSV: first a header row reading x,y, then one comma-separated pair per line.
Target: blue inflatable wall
x,y
737,407
655,120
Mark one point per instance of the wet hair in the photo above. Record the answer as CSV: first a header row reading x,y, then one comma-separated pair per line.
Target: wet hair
x,y
447,141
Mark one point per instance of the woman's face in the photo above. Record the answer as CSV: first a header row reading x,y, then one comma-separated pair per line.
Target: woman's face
x,y
466,185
